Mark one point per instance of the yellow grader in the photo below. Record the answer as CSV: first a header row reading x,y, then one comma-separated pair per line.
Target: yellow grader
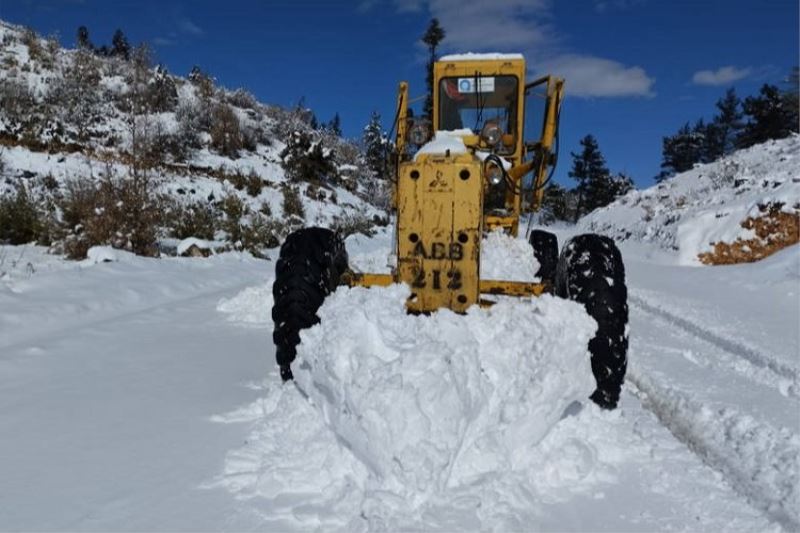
x,y
466,170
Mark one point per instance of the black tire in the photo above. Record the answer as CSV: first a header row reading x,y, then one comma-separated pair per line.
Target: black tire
x,y
545,249
590,271
310,264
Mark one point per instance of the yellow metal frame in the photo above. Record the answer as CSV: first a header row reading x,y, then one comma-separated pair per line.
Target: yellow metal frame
x,y
438,199
486,286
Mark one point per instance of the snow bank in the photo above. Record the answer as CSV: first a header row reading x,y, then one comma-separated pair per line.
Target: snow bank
x,y
707,204
433,402
507,258
251,306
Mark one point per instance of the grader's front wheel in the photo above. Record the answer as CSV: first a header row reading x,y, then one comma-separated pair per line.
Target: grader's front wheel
x,y
590,271
310,264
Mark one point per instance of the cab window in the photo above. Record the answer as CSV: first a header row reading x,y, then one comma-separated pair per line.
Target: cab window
x,y
471,102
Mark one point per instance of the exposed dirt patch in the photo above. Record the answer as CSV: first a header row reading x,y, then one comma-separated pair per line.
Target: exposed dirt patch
x,y
775,229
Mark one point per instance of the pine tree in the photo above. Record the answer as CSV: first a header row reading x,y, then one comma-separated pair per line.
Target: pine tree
x,y
681,151
589,169
83,39
335,125
725,127
120,46
433,36
375,144
769,117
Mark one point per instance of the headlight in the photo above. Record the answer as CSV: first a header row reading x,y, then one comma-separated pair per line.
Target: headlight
x,y
491,133
494,173
419,133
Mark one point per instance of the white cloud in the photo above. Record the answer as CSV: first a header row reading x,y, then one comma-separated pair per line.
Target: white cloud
x,y
721,76
187,26
491,24
523,26
590,76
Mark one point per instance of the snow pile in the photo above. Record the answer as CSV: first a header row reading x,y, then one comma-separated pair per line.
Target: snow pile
x,y
444,142
507,258
707,204
429,403
102,254
372,254
251,306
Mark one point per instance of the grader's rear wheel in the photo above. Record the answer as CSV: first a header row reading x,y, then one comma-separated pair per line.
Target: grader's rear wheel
x,y
311,261
590,271
545,249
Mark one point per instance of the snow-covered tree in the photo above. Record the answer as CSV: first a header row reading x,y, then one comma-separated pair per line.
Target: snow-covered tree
x,y
375,145
162,93
75,95
305,159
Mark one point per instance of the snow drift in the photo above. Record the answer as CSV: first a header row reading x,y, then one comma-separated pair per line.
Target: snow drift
x,y
708,204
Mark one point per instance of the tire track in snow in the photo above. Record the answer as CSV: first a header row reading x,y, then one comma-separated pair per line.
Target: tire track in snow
x,y
733,347
759,462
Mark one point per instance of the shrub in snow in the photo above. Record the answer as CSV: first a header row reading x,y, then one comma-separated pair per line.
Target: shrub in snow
x,y
226,136
234,211
193,220
162,94
203,83
16,101
121,212
242,98
261,233
351,224
191,123
304,159
21,219
31,40
249,181
292,204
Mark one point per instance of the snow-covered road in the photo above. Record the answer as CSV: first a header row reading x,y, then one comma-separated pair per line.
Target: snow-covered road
x,y
110,375
141,395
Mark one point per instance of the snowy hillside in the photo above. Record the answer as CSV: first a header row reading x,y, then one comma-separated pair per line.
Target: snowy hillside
x,y
740,208
213,162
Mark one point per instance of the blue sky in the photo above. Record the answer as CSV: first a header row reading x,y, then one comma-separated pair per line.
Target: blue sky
x,y
635,70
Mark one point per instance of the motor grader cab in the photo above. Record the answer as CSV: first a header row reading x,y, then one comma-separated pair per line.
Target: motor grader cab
x,y
482,158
